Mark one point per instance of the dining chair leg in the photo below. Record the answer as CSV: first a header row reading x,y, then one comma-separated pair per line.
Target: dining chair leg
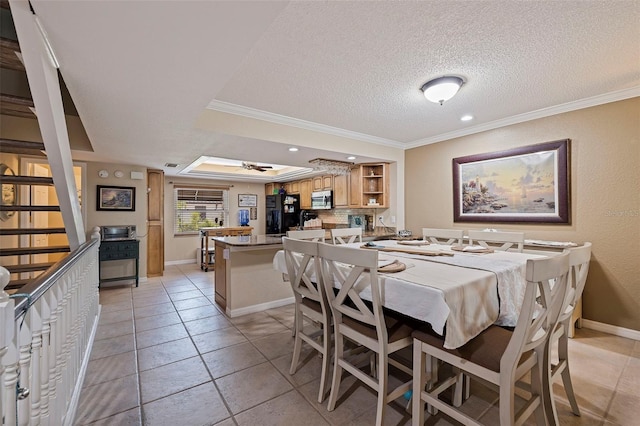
x,y
337,371
419,383
297,345
538,386
295,317
326,359
383,377
457,389
563,354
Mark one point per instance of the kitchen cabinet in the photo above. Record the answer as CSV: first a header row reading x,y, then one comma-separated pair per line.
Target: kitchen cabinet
x,y
355,187
305,193
366,186
341,191
268,188
322,183
375,185
369,186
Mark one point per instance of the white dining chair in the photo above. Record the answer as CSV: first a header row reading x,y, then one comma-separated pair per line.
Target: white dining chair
x,y
497,356
307,234
579,258
354,272
311,305
442,236
346,235
501,241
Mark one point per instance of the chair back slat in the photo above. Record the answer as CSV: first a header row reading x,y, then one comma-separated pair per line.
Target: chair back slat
x,y
501,241
307,234
442,236
303,264
545,295
353,271
579,258
346,235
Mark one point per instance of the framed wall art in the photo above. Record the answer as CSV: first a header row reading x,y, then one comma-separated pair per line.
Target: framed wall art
x,y
116,198
247,200
9,193
525,184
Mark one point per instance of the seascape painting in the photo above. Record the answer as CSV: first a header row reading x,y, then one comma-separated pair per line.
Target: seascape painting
x,y
116,198
528,184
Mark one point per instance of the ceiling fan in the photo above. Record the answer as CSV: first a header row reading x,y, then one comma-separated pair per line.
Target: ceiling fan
x,y
253,166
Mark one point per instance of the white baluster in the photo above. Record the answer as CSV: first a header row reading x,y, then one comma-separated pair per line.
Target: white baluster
x,y
24,362
10,361
7,330
36,360
56,405
45,313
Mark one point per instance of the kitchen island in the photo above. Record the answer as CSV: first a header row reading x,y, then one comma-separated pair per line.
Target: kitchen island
x,y
245,280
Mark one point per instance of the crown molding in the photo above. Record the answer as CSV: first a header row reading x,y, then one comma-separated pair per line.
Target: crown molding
x,y
244,111
619,95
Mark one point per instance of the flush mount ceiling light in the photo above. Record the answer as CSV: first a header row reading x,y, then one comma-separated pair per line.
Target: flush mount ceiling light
x,y
442,89
333,167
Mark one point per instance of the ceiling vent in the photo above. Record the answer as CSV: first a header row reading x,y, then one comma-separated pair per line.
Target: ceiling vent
x,y
171,165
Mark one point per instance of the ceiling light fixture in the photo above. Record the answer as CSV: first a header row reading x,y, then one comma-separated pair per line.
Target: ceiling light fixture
x,y
333,167
293,149
466,117
351,157
442,89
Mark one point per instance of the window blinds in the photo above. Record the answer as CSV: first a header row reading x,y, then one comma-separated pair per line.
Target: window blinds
x,y
199,207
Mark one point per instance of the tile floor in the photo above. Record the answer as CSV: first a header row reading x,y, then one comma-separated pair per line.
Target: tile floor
x,y
164,354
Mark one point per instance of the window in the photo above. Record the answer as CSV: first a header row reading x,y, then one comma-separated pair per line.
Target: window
x,y
196,208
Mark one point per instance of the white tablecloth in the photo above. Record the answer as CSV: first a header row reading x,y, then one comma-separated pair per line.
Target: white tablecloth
x,y
466,292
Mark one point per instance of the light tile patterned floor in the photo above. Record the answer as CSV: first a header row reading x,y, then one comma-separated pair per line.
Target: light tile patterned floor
x,y
165,354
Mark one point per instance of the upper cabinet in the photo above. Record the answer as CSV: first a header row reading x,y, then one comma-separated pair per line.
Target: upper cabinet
x,y
268,188
341,191
322,183
366,186
375,185
305,194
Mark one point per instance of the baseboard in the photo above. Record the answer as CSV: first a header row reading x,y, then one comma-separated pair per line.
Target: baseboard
x,y
611,329
259,308
179,262
69,417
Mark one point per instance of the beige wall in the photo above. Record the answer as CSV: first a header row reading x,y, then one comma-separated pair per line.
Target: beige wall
x,y
605,196
101,218
184,247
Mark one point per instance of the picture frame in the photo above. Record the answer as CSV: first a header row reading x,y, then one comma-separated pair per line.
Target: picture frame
x,y
528,184
247,200
9,193
116,198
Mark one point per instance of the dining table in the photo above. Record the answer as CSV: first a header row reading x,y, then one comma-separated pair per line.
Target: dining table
x,y
458,290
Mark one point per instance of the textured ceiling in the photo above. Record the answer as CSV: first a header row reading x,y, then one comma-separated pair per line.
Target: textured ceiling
x,y
142,73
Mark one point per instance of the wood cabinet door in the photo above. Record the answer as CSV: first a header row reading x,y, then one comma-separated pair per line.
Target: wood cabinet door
x,y
155,220
268,189
295,187
305,194
341,191
327,182
288,188
355,187
316,183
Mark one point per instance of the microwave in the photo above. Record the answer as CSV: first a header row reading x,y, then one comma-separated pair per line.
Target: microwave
x,y
118,232
321,200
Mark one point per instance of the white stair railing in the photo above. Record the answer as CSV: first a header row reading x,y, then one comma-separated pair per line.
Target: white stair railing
x,y
46,333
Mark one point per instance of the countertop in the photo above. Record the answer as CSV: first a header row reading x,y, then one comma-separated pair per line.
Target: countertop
x,y
249,240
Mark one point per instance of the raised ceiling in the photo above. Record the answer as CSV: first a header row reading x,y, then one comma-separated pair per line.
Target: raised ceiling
x,y
158,82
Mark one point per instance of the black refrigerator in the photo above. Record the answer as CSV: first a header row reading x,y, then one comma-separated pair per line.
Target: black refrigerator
x,y
283,212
